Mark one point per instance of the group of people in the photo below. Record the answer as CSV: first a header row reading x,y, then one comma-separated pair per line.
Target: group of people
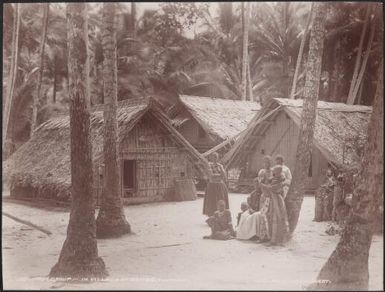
x,y
263,217
334,196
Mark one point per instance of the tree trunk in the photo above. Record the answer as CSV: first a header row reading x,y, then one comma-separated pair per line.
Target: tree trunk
x,y
79,256
245,45
347,267
359,96
36,97
12,75
311,91
364,62
335,76
54,81
111,221
133,19
249,84
286,61
132,28
300,54
359,56
96,79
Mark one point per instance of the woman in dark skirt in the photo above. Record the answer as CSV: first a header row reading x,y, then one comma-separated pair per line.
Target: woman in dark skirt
x,y
216,188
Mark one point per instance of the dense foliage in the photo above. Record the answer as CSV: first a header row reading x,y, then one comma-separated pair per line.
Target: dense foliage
x,y
188,48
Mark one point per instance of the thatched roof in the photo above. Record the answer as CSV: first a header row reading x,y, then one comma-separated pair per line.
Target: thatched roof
x,y
44,161
220,118
340,129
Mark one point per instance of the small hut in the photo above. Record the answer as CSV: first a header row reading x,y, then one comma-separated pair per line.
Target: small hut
x,y
207,122
339,136
153,156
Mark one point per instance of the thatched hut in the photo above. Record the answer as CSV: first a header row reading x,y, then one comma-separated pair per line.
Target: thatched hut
x,y
339,136
153,155
206,122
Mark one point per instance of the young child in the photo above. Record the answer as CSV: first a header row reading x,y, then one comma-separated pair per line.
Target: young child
x,y
277,180
220,223
244,208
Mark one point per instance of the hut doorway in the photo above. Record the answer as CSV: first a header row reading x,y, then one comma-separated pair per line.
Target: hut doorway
x,y
129,178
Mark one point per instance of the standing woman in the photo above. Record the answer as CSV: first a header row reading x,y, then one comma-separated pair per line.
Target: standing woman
x,y
277,215
216,188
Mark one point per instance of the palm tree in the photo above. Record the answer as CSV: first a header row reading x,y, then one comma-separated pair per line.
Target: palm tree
x,y
28,59
56,52
182,66
359,56
223,49
305,141
343,56
41,67
300,54
79,256
12,73
357,85
275,36
245,47
133,19
111,221
353,248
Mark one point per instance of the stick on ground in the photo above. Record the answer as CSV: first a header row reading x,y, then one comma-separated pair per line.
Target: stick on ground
x,y
167,245
27,223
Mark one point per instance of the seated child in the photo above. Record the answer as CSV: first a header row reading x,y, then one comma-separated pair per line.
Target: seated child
x,y
244,208
252,225
220,223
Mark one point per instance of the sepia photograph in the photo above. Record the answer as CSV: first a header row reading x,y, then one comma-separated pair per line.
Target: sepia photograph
x,y
193,146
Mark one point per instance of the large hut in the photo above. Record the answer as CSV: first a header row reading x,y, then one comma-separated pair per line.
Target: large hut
x,y
339,136
208,122
153,155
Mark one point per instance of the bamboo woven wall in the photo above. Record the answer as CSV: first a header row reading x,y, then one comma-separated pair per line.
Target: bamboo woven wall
x,y
159,161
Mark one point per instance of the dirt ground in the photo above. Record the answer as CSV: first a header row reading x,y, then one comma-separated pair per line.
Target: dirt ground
x,y
167,252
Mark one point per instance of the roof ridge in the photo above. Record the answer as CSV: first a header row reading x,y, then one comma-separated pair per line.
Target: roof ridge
x,y
221,99
122,103
325,105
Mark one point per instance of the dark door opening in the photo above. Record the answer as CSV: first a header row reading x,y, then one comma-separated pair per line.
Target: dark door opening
x,y
129,178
